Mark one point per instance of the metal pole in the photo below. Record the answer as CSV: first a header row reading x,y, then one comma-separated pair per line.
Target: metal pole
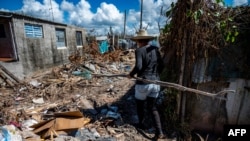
x,y
51,8
141,14
124,30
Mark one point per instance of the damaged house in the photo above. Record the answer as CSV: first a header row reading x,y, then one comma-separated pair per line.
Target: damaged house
x,y
28,44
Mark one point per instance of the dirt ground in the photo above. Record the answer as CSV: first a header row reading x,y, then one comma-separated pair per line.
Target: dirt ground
x,y
96,88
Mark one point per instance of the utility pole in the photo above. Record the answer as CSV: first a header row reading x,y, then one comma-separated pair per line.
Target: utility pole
x,y
51,8
124,30
141,14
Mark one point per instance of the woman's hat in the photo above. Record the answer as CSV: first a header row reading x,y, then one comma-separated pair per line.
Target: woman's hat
x,y
142,35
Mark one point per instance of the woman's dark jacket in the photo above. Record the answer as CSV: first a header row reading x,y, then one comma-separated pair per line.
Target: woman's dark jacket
x,y
148,63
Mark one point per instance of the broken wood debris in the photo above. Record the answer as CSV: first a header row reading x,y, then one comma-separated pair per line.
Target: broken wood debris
x,y
9,74
168,84
6,79
62,91
183,88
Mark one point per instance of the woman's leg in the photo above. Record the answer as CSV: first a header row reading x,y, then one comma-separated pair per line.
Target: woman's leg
x,y
151,107
140,110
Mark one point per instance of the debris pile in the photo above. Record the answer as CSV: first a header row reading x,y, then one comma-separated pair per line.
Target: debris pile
x,y
83,100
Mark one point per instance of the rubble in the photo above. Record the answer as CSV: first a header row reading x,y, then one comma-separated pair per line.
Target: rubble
x,y
83,100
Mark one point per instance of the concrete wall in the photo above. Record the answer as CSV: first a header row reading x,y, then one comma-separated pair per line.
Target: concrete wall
x,y
238,104
40,53
210,114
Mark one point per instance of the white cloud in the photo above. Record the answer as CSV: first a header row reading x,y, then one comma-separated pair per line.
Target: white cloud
x,y
152,14
239,2
133,17
55,9
80,14
67,6
2,9
46,10
107,15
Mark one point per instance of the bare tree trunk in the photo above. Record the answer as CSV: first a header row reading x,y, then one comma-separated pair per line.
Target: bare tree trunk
x,y
180,94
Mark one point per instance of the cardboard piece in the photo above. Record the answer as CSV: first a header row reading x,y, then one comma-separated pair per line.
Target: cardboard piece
x,y
61,121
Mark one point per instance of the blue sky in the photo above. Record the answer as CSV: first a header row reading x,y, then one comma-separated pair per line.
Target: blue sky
x,y
236,2
121,4
99,14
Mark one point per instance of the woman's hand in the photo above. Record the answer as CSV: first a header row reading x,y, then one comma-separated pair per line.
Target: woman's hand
x,y
128,76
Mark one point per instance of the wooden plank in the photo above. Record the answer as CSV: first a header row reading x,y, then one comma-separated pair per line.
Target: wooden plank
x,y
168,84
5,78
9,73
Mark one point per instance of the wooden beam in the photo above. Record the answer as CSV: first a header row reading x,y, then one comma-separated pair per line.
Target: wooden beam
x,y
9,74
168,84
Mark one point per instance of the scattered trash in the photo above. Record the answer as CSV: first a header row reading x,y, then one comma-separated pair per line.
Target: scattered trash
x,y
86,74
113,67
87,106
30,136
10,133
35,83
127,68
64,121
91,67
120,137
66,138
104,111
51,101
19,98
110,89
38,100
85,134
113,108
103,46
113,115
26,124
22,89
